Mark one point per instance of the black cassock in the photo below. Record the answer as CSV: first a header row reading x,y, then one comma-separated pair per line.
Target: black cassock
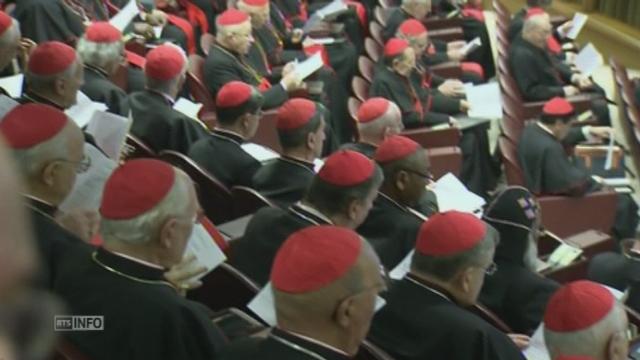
x,y
419,322
365,149
253,254
47,20
98,87
221,154
158,125
280,345
223,66
548,170
55,244
144,316
284,180
615,270
391,229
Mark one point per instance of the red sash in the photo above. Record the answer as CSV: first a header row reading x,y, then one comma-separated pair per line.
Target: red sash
x,y
472,67
310,50
135,59
553,45
264,85
360,11
187,29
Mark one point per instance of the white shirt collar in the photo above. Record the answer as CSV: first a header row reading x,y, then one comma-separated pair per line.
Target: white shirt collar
x,y
139,261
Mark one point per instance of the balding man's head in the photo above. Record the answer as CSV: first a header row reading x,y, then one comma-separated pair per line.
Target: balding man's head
x,y
325,283
378,118
234,31
9,39
536,29
584,318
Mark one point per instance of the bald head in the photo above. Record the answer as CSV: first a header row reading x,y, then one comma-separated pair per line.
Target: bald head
x,y
536,29
9,44
375,131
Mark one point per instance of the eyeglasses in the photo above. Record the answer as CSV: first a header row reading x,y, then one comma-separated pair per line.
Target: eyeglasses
x,y
491,269
80,166
428,176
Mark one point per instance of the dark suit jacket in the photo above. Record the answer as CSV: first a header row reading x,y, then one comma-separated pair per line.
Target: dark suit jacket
x,y
284,180
98,87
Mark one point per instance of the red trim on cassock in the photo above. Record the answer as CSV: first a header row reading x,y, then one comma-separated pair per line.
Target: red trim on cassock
x,y
360,11
215,234
473,12
135,59
553,45
264,85
472,67
310,50
187,29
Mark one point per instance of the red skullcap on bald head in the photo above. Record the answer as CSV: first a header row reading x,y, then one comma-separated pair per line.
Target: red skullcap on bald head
x,y
164,62
28,125
5,22
372,109
578,306
50,58
450,233
295,113
102,32
395,47
232,17
412,27
346,168
395,148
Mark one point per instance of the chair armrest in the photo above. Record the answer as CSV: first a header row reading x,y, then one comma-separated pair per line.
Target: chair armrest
x,y
592,242
429,138
436,23
449,69
574,271
448,34
566,216
445,160
587,152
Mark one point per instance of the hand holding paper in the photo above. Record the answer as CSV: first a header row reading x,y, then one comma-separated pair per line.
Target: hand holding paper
x,y
579,19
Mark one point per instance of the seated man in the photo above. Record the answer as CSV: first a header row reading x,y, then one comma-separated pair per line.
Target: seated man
x,y
48,148
516,293
9,43
540,76
238,108
155,122
227,61
101,49
301,132
425,316
377,119
340,194
548,170
48,20
554,42
392,226
325,282
148,212
584,319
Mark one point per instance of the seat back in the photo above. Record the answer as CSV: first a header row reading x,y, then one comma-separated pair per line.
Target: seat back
x,y
381,14
445,160
375,29
207,40
225,287
267,133
197,88
509,155
136,148
215,197
434,138
360,88
366,66
511,128
373,49
247,201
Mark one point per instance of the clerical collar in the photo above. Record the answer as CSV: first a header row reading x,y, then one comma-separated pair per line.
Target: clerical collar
x,y
229,135
386,197
96,70
298,162
32,97
168,99
306,345
310,214
42,206
130,269
438,290
143,262
545,128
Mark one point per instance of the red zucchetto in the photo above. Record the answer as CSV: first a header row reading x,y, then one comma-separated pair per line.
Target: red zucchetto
x,y
295,113
165,62
395,148
28,125
346,168
450,233
577,306
50,58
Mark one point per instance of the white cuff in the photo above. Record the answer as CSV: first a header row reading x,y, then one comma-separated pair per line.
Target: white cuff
x,y
586,131
284,86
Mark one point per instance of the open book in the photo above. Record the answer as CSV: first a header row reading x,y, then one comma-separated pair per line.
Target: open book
x,y
110,132
205,249
453,195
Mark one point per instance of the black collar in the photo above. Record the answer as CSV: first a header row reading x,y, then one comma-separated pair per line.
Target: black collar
x,y
300,212
314,350
41,206
96,70
29,97
430,287
228,135
129,269
384,199
297,162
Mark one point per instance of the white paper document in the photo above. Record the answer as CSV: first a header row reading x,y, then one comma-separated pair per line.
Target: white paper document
x,y
332,9
205,249
125,16
110,132
321,41
86,193
402,268
83,110
187,107
608,162
6,105
263,305
588,60
453,195
579,19
472,45
309,66
13,85
485,100
259,152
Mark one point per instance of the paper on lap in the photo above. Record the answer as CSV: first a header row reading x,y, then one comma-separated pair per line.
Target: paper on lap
x,y
259,152
110,132
579,19
13,85
588,60
83,110
202,245
6,104
453,195
125,16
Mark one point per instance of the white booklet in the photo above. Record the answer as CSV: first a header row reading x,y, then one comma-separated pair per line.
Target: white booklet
x,y
308,66
485,100
588,60
471,46
110,132
13,85
453,195
259,152
402,268
187,107
83,110
263,305
86,193
125,16
579,19
205,249
332,9
6,105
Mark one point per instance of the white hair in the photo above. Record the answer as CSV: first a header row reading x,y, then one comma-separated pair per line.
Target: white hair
x,y
592,341
102,55
535,22
39,82
11,35
140,230
32,160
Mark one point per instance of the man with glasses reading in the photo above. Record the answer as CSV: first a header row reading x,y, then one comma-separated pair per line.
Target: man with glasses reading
x,y
425,315
48,148
392,226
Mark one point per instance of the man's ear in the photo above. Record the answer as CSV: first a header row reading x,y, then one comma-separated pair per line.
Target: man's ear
x,y
401,180
48,173
311,140
344,312
60,85
463,280
353,209
168,232
617,347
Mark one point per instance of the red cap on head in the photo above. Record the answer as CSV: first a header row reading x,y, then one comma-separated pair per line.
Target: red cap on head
x,y
5,22
232,17
50,58
135,188
534,11
314,257
577,306
412,27
295,113
346,168
395,148
28,125
164,62
256,2
233,93
450,233
372,109
557,107
395,47
102,32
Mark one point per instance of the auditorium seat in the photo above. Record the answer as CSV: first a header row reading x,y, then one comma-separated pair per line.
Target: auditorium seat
x,y
237,324
215,198
373,49
445,160
381,15
267,133
430,138
366,68
247,201
572,272
360,88
375,30
448,69
136,148
199,91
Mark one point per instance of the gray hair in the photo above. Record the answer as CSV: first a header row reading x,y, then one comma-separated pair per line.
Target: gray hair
x,y
445,268
139,230
31,161
102,55
375,128
592,341
11,35
165,86
47,81
534,22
